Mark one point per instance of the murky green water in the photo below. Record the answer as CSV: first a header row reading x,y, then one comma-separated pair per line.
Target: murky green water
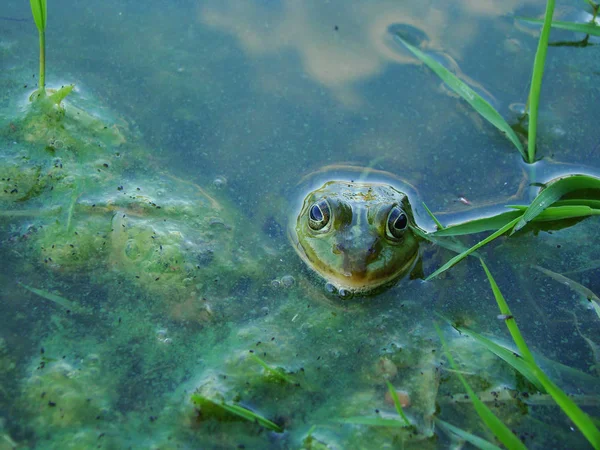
x,y
157,214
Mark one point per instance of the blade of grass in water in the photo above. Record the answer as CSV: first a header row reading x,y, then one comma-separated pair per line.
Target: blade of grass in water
x,y
553,192
39,11
536,80
479,225
475,100
467,252
587,28
561,212
372,421
437,222
579,418
501,431
67,304
270,370
504,353
236,410
397,403
470,438
574,285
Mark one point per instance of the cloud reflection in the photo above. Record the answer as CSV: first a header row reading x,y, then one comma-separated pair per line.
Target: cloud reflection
x,y
340,43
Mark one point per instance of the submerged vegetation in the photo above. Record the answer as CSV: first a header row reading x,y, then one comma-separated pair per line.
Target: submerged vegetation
x,y
39,10
179,285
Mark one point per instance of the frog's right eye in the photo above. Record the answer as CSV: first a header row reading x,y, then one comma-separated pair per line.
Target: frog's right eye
x,y
319,215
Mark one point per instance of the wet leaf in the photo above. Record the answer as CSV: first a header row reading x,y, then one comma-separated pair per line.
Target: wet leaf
x,y
40,12
372,421
471,438
475,100
501,431
244,413
479,225
554,191
397,403
467,252
580,418
536,80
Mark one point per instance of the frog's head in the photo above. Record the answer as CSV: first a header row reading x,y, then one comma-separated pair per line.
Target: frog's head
x,y
357,236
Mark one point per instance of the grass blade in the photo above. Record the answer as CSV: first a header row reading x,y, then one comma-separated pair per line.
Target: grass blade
x,y
574,285
514,360
437,222
275,373
587,28
501,431
40,12
579,418
397,403
372,421
475,100
479,225
536,80
252,417
67,304
465,435
553,192
467,252
203,402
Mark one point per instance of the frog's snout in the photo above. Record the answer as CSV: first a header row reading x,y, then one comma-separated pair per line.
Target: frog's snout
x,y
356,256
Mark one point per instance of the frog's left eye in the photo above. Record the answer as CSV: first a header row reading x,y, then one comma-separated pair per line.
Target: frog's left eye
x,y
319,215
397,223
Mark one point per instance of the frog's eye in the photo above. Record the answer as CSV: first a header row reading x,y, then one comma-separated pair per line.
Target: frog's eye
x,y
318,215
397,222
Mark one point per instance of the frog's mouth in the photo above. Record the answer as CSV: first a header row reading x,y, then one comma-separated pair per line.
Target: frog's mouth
x,y
357,278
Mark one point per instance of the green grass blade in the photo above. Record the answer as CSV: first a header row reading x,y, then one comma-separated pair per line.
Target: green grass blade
x,y
465,435
60,95
467,252
397,403
40,12
479,225
536,80
562,212
501,431
217,407
514,360
252,417
595,204
510,323
437,222
67,304
475,100
574,285
372,421
587,28
553,192
579,418
275,373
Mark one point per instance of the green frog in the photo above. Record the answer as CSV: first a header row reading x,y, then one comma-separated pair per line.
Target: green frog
x,y
359,236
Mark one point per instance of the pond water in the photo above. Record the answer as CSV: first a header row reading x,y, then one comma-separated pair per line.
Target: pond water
x,y
146,270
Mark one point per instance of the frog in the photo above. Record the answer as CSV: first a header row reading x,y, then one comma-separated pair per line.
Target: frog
x,y
359,236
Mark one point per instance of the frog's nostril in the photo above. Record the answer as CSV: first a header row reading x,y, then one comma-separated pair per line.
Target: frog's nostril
x,y
338,248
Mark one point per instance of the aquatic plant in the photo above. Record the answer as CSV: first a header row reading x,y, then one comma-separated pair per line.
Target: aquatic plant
x,y
500,430
39,10
222,409
560,200
40,13
569,407
486,110
536,81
